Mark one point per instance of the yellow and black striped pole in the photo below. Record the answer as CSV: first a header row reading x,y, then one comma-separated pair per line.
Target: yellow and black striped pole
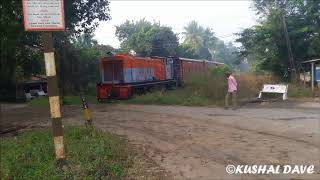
x,y
86,111
53,93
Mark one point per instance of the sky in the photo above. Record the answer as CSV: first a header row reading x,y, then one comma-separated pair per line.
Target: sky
x,y
224,17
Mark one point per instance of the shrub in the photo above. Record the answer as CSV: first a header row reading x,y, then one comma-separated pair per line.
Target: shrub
x,y
220,70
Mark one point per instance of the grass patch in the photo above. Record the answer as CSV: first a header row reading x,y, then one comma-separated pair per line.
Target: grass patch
x,y
67,100
172,97
75,100
39,102
298,91
91,154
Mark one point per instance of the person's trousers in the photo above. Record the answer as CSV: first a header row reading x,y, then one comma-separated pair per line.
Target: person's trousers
x,y
234,99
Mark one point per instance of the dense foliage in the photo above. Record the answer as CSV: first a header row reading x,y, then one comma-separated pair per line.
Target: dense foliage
x,y
21,52
201,43
78,64
265,44
151,39
147,39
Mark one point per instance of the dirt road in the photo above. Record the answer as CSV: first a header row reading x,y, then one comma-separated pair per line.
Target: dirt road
x,y
198,142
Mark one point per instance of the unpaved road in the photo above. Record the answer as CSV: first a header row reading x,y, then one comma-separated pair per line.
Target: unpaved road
x,y
198,142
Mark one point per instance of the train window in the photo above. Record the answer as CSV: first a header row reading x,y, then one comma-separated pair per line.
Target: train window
x,y
169,61
112,72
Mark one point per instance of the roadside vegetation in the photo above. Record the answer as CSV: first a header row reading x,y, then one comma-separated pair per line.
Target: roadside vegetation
x,y
200,89
209,88
264,45
206,88
91,154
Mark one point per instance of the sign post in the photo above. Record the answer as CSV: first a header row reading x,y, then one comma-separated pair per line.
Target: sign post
x,y
48,16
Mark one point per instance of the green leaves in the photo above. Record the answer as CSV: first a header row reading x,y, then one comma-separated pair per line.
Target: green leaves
x,y
201,43
265,43
146,38
21,52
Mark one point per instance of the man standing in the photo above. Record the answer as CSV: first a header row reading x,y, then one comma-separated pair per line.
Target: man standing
x,y
232,90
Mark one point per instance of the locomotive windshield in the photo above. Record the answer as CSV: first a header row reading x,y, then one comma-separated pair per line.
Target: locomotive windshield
x,y
112,72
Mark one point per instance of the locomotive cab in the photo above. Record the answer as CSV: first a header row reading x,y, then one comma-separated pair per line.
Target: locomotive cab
x,y
122,74
112,72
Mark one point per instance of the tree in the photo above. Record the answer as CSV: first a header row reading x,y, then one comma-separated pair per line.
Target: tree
x,y
146,38
78,64
199,40
201,43
194,36
265,44
85,40
164,42
226,53
21,52
83,15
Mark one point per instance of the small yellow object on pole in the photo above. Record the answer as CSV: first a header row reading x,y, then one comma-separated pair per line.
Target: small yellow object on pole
x,y
86,111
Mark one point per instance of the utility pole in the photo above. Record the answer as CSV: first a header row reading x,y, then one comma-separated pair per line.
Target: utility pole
x,y
48,16
291,60
53,93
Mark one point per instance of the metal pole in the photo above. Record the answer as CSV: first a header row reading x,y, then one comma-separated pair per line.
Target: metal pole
x,y
53,93
312,76
293,74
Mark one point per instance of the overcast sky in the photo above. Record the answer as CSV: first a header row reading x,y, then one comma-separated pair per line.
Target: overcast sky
x,y
224,17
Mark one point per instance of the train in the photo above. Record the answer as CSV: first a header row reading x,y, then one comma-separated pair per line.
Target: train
x,y
124,75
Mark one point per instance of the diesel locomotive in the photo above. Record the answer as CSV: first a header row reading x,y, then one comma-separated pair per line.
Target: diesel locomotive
x,y
124,75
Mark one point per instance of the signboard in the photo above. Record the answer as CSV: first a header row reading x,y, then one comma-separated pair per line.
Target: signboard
x,y
43,15
274,88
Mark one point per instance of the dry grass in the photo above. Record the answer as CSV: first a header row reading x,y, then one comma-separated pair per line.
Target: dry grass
x,y
249,85
206,88
210,87
298,91
215,87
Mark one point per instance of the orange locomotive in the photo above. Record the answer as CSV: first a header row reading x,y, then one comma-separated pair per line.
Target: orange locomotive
x,y
123,75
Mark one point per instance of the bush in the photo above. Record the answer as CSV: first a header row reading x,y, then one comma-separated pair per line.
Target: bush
x,y
220,70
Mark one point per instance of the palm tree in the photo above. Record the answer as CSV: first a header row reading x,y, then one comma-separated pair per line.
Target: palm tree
x,y
199,39
193,35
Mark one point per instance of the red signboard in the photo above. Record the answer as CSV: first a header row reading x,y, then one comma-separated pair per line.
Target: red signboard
x,y
43,15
